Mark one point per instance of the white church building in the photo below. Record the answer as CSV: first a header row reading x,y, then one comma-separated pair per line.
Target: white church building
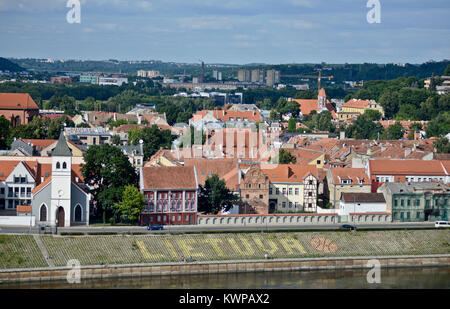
x,y
60,200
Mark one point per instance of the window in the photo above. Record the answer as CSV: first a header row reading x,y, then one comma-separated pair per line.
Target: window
x,y
247,196
277,191
290,204
43,213
402,203
284,190
417,202
284,204
290,191
408,202
58,165
261,196
23,179
78,213
296,204
64,165
296,191
309,193
270,191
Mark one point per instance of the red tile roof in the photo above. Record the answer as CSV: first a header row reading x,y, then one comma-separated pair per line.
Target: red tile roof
x,y
407,167
20,101
173,177
288,172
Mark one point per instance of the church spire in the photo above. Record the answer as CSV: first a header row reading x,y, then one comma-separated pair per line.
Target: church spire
x,y
61,148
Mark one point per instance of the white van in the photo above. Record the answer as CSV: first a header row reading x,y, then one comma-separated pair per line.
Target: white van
x,y
442,224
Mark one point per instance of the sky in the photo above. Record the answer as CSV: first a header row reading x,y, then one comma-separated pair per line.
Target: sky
x,y
228,31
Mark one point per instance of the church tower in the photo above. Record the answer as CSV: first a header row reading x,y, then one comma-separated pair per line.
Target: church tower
x,y
322,100
61,183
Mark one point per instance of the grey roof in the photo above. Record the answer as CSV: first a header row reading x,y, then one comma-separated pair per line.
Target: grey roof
x,y
61,148
411,187
363,197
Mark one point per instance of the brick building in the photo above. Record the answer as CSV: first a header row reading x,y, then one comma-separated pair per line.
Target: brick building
x,y
170,193
18,108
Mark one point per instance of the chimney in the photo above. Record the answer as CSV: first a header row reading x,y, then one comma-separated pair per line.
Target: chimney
x,y
407,152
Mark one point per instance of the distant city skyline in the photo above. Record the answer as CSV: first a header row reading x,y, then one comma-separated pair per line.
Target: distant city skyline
x,y
228,31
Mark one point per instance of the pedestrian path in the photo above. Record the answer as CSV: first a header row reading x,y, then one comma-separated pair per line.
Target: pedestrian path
x,y
41,246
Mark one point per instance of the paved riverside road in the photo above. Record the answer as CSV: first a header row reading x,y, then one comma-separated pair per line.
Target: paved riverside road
x,y
202,228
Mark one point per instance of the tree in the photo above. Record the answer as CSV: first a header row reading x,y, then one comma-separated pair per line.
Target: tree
x,y
5,133
393,132
372,115
131,205
439,126
285,157
362,128
447,70
115,140
102,166
442,145
214,196
292,125
154,139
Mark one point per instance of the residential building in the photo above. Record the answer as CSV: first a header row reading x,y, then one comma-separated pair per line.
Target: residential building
x,y
258,76
170,194
18,108
244,76
354,108
361,203
417,201
383,171
254,191
293,188
344,180
89,136
272,77
135,154
148,74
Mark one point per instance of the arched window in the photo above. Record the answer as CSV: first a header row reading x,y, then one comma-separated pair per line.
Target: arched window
x,y
58,165
64,165
78,213
43,213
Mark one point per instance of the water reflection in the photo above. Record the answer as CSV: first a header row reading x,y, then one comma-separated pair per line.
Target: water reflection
x,y
421,278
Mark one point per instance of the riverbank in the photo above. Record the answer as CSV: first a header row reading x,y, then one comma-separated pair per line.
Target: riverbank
x,y
139,271
42,256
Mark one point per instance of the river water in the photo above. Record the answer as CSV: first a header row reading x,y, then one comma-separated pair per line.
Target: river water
x,y
401,278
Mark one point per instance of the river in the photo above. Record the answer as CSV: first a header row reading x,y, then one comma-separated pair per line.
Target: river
x,y
402,278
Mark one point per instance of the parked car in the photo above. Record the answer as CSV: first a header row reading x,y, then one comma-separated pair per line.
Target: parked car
x,y
348,226
0,230
155,227
442,224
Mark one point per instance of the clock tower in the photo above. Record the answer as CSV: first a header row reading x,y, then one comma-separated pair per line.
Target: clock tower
x,y
60,209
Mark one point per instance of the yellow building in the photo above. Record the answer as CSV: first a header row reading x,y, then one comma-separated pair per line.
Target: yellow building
x,y
348,180
354,108
293,188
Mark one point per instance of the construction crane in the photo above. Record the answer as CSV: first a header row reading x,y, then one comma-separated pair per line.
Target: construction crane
x,y
319,77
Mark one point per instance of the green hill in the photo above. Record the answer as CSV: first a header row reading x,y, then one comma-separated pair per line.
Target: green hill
x,y
7,65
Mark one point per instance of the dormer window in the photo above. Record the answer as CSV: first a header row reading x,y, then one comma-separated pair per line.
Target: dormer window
x,y
346,181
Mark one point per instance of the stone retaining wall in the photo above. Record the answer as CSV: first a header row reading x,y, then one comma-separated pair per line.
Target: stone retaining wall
x,y
291,219
146,270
